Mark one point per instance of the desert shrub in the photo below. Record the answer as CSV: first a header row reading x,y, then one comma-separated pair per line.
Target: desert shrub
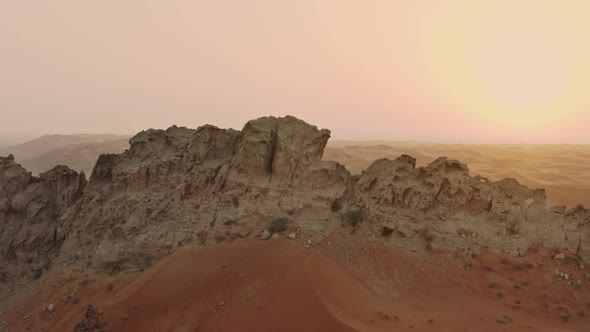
x,y
336,205
235,201
504,320
278,225
356,216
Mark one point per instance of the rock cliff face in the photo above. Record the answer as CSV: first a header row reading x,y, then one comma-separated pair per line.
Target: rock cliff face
x,y
31,209
179,186
445,206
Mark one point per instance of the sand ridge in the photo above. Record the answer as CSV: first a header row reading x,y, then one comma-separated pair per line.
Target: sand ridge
x,y
279,285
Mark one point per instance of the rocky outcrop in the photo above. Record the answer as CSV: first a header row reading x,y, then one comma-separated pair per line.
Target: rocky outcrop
x,y
441,204
206,185
30,212
179,185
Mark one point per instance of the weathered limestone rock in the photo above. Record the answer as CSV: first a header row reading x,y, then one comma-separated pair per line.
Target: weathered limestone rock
x,y
31,211
178,186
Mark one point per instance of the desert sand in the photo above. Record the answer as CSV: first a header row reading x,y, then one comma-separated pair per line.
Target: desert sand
x,y
563,170
279,285
79,152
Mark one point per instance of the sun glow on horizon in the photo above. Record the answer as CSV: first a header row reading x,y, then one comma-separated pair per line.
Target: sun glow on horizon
x,y
518,66
455,71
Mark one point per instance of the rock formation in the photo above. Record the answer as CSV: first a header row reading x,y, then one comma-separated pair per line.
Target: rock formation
x,y
31,210
178,186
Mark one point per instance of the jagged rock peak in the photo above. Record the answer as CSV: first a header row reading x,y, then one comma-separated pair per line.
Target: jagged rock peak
x,y
269,148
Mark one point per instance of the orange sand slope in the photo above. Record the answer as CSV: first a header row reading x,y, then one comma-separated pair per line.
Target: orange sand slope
x,y
278,285
563,170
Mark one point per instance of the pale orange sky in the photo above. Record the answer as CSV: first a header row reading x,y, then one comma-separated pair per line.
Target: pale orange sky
x,y
461,71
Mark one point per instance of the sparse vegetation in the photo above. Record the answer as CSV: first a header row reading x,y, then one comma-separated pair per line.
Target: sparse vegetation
x,y
546,305
566,317
500,295
235,201
582,313
504,320
278,225
492,285
384,314
336,205
110,287
356,216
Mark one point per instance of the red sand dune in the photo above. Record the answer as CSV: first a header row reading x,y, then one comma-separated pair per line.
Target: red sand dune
x,y
279,285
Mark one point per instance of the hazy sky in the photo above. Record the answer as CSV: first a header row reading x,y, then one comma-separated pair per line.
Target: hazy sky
x,y
464,71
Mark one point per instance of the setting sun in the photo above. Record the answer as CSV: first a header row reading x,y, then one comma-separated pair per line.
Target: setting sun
x,y
494,71
520,66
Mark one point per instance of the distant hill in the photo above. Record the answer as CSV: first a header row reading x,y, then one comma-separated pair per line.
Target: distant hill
x,y
79,152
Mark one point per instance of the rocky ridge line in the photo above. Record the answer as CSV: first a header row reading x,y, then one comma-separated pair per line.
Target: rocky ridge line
x,y
178,186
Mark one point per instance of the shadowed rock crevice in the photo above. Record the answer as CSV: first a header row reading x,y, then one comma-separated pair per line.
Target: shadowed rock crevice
x,y
272,147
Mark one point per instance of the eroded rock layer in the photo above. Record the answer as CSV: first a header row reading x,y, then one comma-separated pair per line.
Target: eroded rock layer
x,y
206,185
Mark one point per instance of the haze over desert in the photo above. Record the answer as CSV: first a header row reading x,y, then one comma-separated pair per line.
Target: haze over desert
x,y
286,166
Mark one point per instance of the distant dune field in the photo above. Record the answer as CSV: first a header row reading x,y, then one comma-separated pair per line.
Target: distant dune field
x,y
563,170
79,152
